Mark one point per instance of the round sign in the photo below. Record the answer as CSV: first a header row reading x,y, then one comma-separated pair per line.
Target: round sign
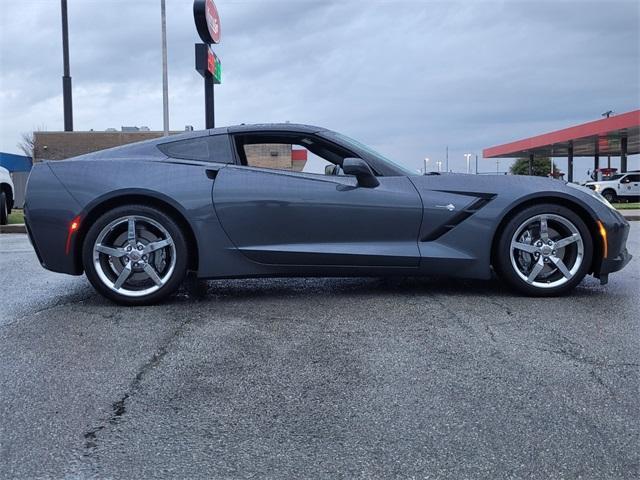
x,y
207,20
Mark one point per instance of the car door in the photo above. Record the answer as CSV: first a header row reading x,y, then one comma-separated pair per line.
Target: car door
x,y
285,217
630,185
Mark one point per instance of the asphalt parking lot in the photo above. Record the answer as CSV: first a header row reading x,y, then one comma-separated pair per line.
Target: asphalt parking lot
x,y
300,378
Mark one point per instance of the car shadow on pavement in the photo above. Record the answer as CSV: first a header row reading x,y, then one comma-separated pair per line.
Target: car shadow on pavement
x,y
232,290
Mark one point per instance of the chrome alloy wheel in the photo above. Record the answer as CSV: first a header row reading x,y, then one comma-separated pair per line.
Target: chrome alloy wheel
x,y
134,256
547,251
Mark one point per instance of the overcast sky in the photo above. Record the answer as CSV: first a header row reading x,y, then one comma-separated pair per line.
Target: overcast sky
x,y
407,77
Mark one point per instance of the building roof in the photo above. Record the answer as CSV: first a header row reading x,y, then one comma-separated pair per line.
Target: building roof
x,y
605,133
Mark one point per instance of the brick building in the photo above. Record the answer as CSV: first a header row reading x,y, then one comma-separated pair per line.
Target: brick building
x,y
61,145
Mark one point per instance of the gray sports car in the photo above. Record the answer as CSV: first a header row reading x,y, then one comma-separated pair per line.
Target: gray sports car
x,y
296,200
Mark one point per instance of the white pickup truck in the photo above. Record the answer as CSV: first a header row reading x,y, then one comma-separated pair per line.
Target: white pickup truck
x,y
6,195
623,186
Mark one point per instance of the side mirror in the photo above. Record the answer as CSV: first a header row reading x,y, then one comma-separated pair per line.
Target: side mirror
x,y
362,171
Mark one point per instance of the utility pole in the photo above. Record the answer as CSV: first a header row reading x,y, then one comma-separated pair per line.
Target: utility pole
x,y
447,159
66,76
476,163
165,78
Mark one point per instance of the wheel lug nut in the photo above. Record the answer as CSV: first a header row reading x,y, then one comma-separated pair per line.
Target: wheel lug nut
x,y
126,259
139,247
128,248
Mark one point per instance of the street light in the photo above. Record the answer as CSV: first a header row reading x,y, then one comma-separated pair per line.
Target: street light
x,y
165,81
467,156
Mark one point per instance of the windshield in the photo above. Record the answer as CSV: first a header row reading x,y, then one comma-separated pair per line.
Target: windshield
x,y
616,176
361,146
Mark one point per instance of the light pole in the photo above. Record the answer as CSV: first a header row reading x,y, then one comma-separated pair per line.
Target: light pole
x,y
467,157
165,79
66,77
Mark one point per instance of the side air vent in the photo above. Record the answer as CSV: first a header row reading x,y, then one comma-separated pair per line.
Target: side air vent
x,y
458,218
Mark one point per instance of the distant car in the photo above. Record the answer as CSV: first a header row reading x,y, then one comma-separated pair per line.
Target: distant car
x,y
295,200
6,195
624,186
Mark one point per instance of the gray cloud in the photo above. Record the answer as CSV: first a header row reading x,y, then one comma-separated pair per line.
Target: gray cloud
x,y
409,77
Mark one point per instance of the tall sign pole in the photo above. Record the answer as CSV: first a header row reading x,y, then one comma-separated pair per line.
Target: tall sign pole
x,y
208,64
66,77
165,77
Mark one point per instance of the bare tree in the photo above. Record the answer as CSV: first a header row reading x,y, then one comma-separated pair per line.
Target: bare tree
x,y
27,143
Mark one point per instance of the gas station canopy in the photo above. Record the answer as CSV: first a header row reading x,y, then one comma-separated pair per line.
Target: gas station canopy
x,y
600,137
618,135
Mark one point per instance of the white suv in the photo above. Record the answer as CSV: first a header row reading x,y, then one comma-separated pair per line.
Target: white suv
x,y
619,186
6,195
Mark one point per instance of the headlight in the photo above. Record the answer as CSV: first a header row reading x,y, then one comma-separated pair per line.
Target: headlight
x,y
594,194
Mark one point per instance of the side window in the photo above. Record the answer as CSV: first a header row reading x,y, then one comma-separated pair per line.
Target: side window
x,y
292,152
213,148
631,179
285,156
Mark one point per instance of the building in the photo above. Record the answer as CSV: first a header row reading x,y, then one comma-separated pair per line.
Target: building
x,y
280,156
61,145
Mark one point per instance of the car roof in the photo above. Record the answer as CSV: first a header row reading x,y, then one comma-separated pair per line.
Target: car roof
x,y
270,127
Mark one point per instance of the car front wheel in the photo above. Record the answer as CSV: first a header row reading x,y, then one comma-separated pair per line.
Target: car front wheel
x,y
545,250
610,196
4,213
135,255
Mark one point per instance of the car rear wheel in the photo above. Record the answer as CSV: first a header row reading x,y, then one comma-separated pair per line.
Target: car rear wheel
x,y
545,250
135,255
610,195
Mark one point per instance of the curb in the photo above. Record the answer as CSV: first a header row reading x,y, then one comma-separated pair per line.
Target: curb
x,y
15,228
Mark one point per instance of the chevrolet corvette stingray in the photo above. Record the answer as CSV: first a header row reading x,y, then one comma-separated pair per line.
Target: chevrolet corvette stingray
x,y
296,200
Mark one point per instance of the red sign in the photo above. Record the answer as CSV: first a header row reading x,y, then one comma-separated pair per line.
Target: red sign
x,y
213,21
207,21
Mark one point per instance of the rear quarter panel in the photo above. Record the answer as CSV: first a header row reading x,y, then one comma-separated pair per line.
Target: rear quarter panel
x,y
86,184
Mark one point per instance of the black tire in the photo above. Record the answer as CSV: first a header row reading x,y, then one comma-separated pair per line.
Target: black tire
x,y
610,195
179,255
504,262
4,214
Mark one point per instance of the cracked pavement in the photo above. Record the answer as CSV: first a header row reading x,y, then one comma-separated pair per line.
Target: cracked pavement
x,y
318,378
